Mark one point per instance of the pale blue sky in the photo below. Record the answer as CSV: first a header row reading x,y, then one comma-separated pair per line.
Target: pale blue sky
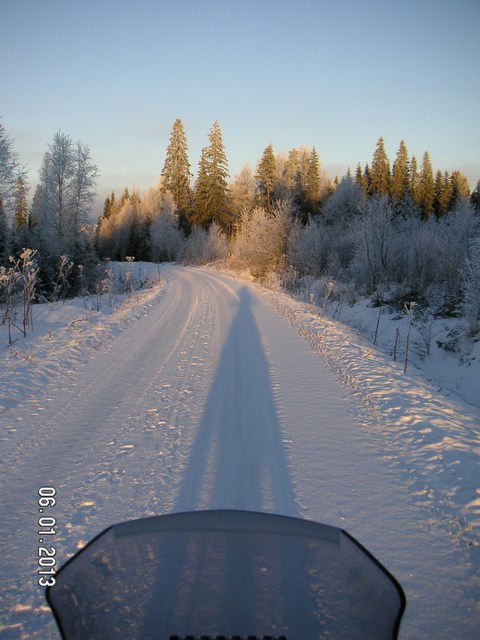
x,y
335,75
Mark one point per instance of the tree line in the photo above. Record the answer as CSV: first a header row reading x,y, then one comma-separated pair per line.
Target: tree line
x,y
396,231
298,177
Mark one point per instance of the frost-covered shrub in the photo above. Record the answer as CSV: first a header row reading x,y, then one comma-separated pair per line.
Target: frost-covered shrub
x,y
203,246
195,249
218,243
375,231
319,247
261,242
308,247
165,237
471,287
412,259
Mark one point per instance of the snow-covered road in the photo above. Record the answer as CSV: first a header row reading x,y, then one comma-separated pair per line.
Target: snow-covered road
x,y
209,399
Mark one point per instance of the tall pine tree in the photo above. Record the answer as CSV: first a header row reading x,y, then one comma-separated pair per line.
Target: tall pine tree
x,y
399,179
460,188
427,190
176,170
313,182
414,181
266,178
380,171
211,189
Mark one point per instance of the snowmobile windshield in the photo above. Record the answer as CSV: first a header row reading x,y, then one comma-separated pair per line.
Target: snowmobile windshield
x,y
225,574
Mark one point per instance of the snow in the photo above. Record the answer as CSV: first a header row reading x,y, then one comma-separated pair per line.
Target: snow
x,y
208,391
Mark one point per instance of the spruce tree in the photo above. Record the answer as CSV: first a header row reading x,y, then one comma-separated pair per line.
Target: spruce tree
x,y
176,170
414,181
360,179
460,188
313,182
367,179
380,171
427,191
218,166
438,189
211,189
446,194
266,178
201,215
399,179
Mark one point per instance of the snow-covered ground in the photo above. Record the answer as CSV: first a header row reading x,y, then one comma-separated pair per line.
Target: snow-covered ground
x,y
197,393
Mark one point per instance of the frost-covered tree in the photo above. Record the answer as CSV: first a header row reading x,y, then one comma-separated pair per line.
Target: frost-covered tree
x,y
165,236
84,182
54,216
292,174
374,227
344,202
67,190
242,191
10,174
471,287
10,169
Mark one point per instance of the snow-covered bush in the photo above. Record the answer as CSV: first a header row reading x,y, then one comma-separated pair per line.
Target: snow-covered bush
x,y
261,242
202,247
308,247
471,287
165,237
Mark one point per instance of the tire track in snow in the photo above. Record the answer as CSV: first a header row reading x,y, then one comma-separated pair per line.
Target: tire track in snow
x,y
109,439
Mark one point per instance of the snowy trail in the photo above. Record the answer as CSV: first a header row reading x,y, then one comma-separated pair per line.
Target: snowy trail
x,y
211,400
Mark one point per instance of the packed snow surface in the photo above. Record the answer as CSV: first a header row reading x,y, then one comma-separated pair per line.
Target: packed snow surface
x,y
207,391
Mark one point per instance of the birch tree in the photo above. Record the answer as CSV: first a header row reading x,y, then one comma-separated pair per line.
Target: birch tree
x,y
67,184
